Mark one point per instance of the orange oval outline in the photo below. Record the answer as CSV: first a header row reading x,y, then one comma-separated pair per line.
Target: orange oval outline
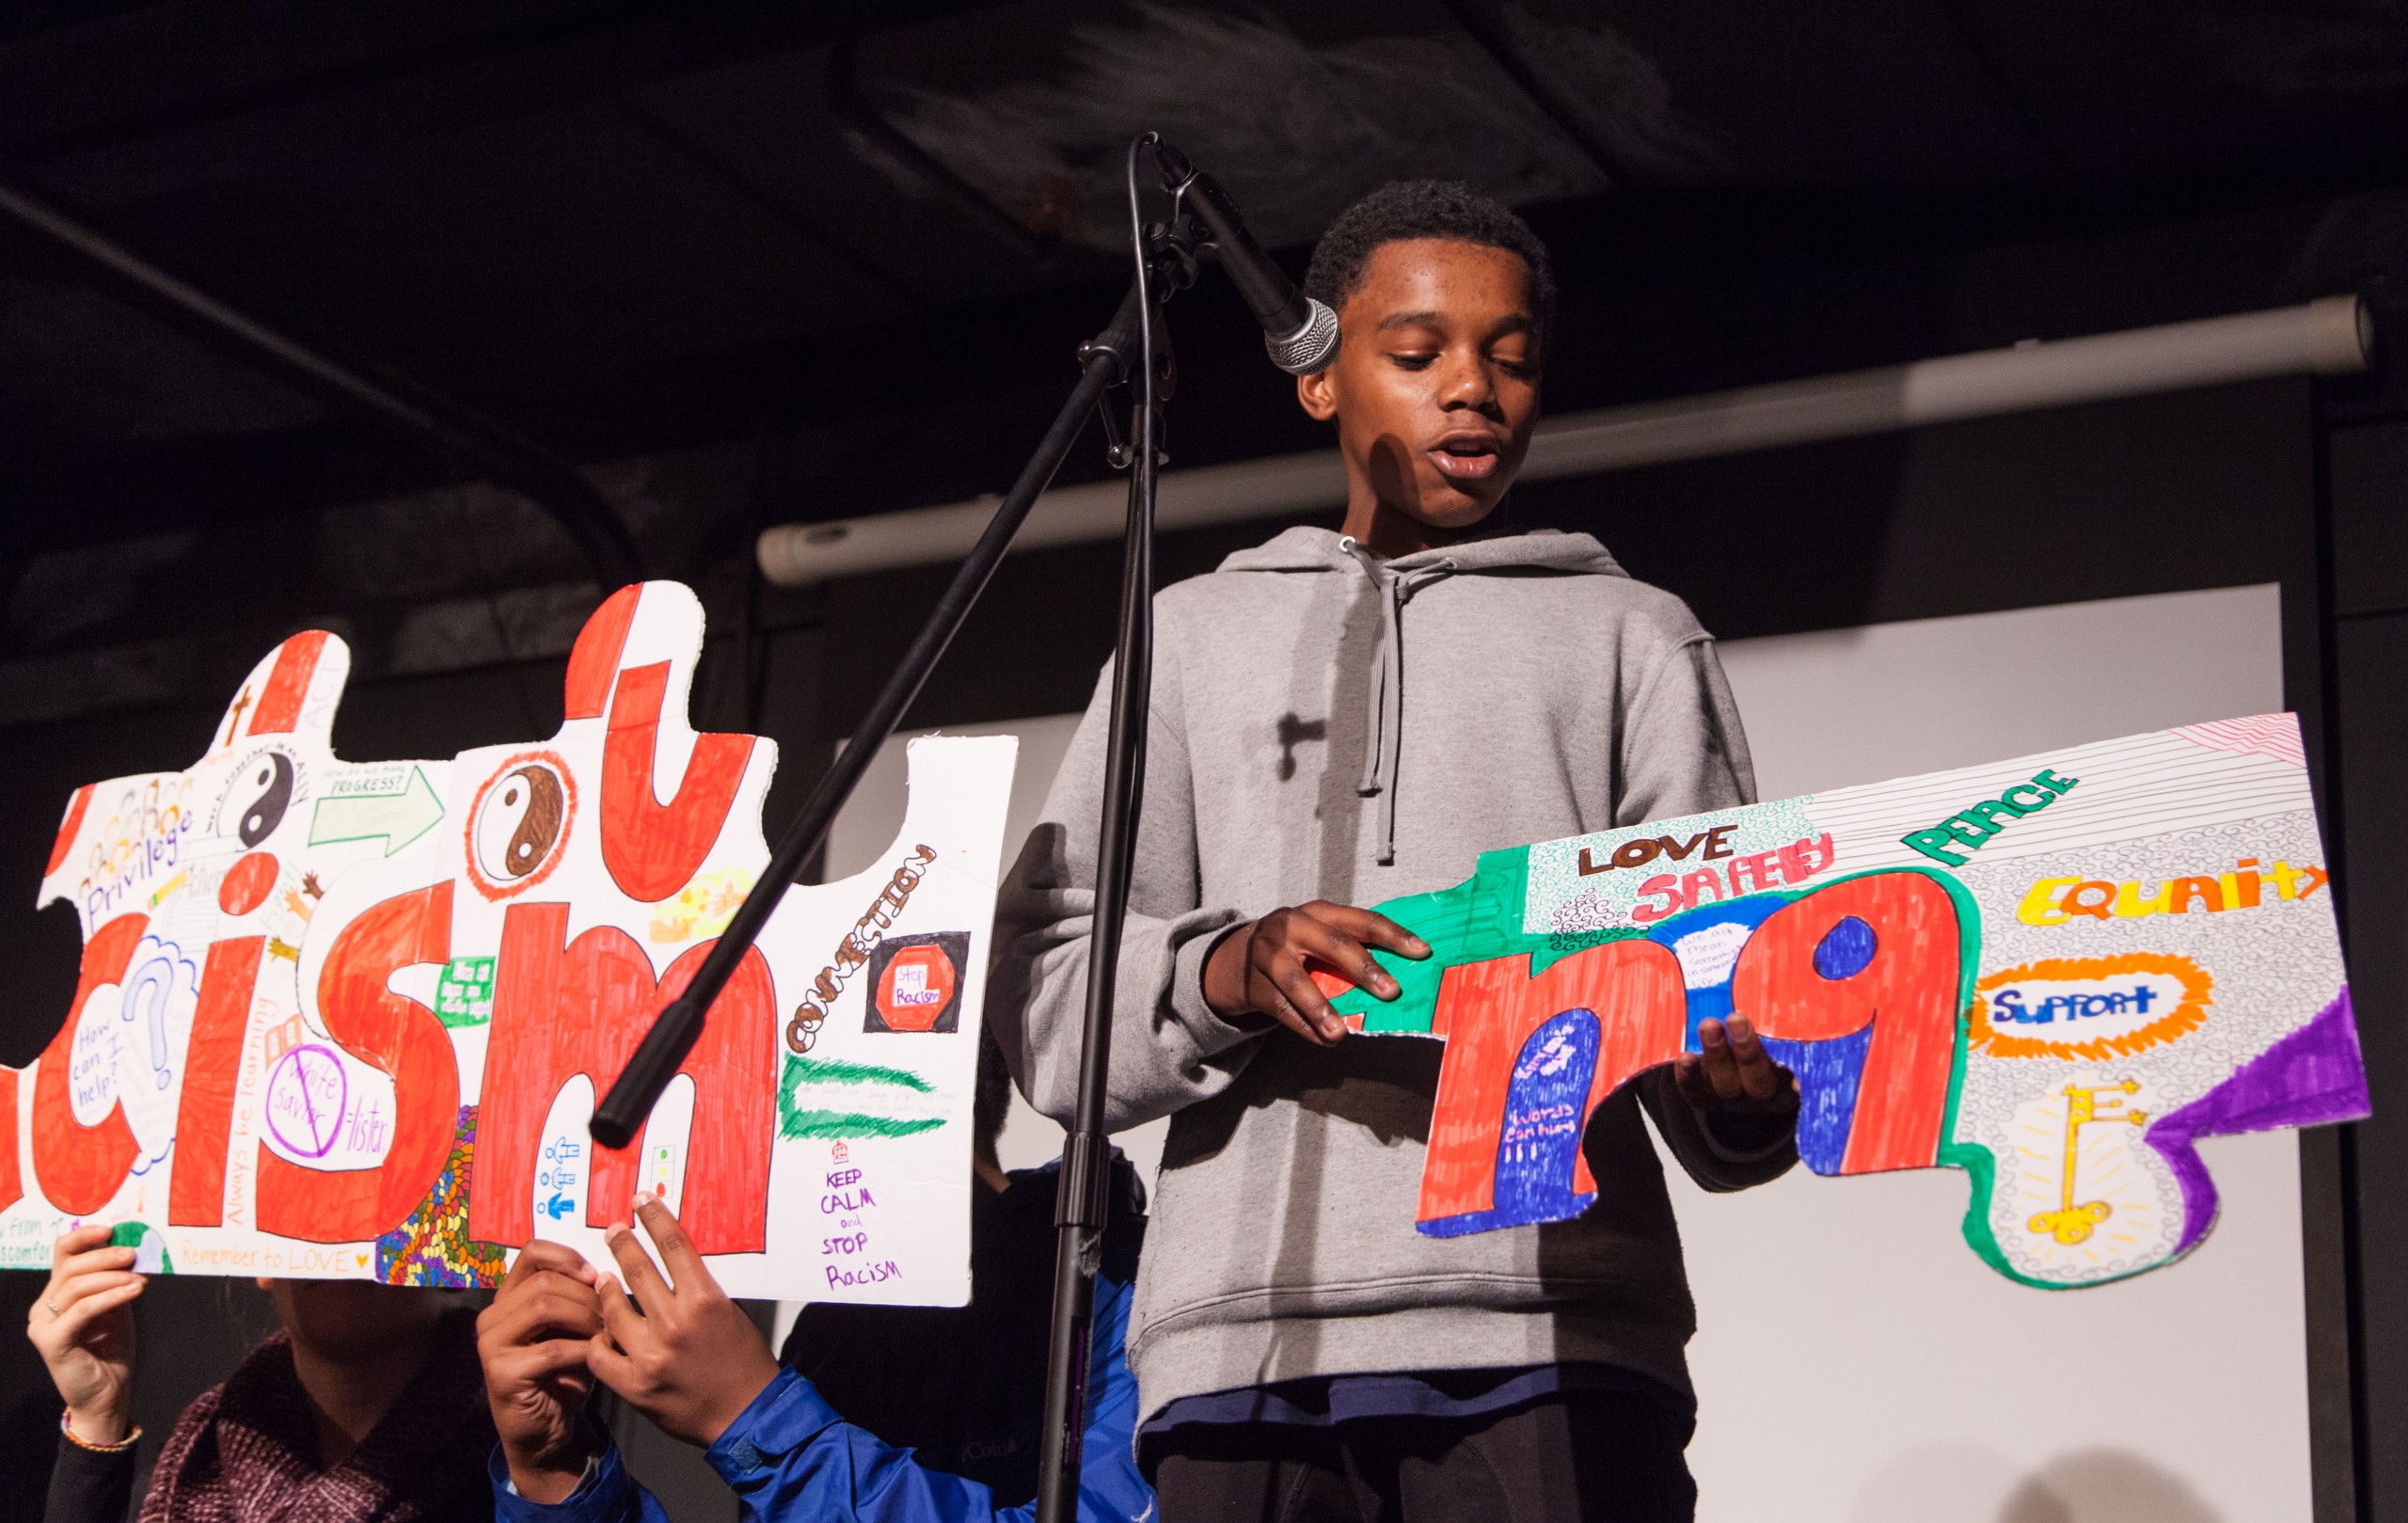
x,y
2185,1018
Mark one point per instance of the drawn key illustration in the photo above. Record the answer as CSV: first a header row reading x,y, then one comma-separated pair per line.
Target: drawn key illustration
x,y
349,1020
2055,973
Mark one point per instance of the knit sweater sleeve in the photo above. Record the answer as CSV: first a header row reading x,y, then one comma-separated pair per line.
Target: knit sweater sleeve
x,y
1169,1049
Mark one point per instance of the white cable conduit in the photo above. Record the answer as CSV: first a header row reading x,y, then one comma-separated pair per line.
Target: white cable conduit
x,y
2332,336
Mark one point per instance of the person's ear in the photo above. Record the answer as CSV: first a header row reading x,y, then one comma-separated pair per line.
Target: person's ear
x,y
1318,393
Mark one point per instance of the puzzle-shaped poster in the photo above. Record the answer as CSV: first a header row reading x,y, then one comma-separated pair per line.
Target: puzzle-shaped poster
x,y
350,1020
2054,974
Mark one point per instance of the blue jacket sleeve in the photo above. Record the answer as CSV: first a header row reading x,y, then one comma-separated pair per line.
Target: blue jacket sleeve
x,y
790,1458
606,1495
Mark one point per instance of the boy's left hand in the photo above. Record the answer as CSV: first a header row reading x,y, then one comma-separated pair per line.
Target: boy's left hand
x,y
690,1359
1734,1074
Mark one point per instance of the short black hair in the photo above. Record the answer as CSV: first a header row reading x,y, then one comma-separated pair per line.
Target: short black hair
x,y
1404,209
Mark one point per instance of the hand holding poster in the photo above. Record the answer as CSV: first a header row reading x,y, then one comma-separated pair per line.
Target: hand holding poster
x,y
349,1020
2054,974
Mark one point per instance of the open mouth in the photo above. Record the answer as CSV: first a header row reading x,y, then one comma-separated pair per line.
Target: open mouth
x,y
1468,456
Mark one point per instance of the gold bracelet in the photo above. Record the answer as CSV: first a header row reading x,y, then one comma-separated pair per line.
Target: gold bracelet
x,y
68,1431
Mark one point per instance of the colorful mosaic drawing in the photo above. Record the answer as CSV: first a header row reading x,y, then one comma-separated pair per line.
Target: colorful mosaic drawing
x,y
433,1247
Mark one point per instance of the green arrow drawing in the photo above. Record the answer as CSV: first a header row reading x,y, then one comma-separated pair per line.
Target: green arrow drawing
x,y
399,818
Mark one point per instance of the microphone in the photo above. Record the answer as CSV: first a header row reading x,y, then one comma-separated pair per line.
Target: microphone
x,y
1299,334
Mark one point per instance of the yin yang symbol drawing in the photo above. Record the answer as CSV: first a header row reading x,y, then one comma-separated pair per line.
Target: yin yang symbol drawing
x,y
259,799
518,827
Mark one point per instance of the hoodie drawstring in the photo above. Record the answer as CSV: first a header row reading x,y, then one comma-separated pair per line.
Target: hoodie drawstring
x,y
1383,712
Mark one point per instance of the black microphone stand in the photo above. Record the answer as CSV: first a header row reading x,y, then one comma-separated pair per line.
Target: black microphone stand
x,y
1134,349
1114,356
1081,1202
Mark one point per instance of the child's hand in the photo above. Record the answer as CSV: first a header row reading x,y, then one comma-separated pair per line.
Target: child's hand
x,y
1262,967
1735,1072
82,1324
690,1359
533,1342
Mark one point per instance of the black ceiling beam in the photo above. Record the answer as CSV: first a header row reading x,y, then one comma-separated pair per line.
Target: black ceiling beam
x,y
582,50
1489,30
809,230
114,116
65,494
477,443
2026,113
874,138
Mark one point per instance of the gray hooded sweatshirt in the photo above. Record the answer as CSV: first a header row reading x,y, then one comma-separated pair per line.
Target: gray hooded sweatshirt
x,y
1328,725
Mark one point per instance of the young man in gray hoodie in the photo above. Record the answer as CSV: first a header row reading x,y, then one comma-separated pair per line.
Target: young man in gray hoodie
x,y
1340,719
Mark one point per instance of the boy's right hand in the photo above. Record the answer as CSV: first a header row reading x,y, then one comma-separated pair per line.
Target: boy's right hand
x,y
82,1324
1264,967
533,1342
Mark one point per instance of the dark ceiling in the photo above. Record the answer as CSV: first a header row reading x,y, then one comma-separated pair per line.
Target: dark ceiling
x,y
625,230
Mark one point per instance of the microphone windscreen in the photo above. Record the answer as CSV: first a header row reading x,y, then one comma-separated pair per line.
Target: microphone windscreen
x,y
1311,347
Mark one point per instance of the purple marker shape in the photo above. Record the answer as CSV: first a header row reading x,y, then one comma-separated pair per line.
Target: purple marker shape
x,y
298,1071
2312,1075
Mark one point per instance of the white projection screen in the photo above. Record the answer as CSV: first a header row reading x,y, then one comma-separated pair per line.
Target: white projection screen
x,y
1854,1362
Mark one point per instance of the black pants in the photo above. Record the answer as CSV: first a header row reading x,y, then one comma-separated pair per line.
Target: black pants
x,y
1592,1456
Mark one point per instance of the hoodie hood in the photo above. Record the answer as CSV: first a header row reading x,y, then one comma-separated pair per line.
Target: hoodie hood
x,y
1392,585
1306,548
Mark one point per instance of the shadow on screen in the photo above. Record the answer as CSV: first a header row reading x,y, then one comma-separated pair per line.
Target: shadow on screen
x,y
1962,1482
2105,1484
